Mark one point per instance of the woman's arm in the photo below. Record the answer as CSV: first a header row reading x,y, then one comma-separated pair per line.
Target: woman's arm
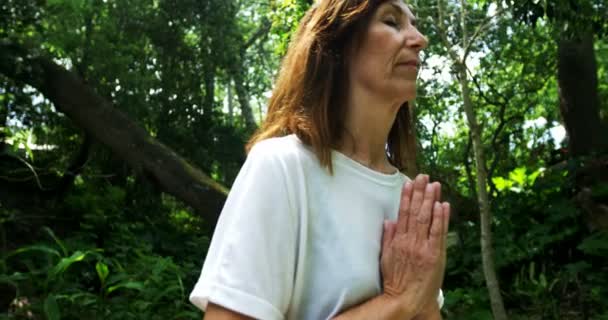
x,y
380,307
217,312
386,308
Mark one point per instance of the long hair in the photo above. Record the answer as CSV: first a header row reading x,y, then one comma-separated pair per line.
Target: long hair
x,y
309,96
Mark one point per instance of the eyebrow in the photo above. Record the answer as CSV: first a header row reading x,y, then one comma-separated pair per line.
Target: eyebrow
x,y
403,12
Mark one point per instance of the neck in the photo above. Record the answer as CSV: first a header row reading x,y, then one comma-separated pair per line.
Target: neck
x,y
368,122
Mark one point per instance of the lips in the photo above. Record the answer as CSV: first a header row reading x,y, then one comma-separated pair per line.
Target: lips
x,y
409,62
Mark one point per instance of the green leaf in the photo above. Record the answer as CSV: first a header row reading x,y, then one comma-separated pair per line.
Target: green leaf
x,y
532,177
531,270
518,176
51,308
35,248
501,183
596,244
67,262
543,280
166,293
134,285
59,243
102,271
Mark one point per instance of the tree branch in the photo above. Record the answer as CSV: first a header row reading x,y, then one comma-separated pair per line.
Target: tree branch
x,y
262,31
114,129
485,24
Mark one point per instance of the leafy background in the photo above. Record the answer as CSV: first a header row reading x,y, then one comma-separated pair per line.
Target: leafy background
x,y
101,240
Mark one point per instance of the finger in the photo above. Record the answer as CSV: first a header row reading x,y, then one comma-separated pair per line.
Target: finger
x,y
437,191
416,201
436,233
404,207
446,221
446,212
424,216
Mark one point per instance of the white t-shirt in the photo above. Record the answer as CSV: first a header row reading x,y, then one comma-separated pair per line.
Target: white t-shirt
x,y
294,242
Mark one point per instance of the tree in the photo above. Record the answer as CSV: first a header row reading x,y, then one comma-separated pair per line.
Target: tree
x,y
81,81
110,126
575,25
461,72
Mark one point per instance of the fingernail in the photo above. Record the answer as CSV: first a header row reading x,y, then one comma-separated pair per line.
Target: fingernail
x,y
429,187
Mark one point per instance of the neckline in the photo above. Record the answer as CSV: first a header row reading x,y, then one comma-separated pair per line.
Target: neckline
x,y
342,160
343,156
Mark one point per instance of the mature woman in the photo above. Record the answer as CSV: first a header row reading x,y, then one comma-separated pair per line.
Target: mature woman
x,y
320,222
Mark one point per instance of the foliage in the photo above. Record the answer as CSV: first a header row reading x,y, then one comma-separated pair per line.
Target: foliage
x,y
116,272
550,265
91,238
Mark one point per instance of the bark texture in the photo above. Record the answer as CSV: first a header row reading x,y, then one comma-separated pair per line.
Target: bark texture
x,y
578,93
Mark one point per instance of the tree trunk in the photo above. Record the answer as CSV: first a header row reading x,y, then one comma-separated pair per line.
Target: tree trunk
x,y
209,82
114,129
487,250
230,102
238,75
4,118
243,97
578,93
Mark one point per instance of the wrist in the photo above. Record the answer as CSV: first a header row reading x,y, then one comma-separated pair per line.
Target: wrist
x,y
398,309
429,312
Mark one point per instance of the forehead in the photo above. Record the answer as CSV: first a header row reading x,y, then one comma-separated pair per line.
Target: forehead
x,y
397,5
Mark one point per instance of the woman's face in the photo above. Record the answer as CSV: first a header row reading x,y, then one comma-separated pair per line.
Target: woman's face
x,y
386,60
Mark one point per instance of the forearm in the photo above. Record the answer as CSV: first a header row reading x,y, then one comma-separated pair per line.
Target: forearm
x,y
380,307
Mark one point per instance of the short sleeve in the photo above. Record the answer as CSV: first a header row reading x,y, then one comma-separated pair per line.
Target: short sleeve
x,y
250,264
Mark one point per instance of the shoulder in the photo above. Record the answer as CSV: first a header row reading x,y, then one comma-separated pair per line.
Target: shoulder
x,y
286,150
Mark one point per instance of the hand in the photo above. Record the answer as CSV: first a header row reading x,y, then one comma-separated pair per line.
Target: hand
x,y
414,247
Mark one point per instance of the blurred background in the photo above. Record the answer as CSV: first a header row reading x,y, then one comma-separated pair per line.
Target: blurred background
x,y
123,122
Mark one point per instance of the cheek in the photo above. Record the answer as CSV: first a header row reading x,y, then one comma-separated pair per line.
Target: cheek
x,y
379,49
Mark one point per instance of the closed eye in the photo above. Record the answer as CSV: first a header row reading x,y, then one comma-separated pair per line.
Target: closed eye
x,y
392,21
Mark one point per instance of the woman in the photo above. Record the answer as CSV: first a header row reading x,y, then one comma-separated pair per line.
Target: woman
x,y
320,223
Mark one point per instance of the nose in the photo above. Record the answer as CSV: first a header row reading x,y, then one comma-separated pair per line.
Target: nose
x,y
416,40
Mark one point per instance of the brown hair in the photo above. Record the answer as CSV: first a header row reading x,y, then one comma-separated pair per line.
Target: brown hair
x,y
310,92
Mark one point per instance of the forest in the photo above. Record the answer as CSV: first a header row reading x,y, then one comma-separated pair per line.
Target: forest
x,y
123,125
